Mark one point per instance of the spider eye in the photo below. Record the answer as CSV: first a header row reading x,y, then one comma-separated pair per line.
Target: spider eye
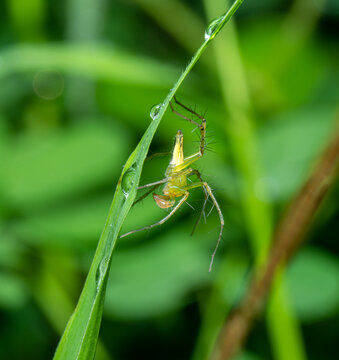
x,y
163,201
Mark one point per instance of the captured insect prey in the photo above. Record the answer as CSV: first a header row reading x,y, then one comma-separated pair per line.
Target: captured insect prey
x,y
176,175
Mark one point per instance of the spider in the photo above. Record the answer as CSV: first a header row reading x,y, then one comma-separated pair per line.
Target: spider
x,y
176,175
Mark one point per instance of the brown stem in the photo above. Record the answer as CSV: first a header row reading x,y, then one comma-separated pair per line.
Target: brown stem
x,y
289,234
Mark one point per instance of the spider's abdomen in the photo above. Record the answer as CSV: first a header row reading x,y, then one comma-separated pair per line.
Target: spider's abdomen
x,y
163,201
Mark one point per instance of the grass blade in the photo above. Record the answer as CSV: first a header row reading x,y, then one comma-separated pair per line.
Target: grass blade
x,y
81,334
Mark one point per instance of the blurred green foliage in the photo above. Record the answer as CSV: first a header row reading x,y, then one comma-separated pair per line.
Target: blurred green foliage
x,y
78,79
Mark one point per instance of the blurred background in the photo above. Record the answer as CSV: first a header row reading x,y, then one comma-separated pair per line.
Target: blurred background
x,y
78,79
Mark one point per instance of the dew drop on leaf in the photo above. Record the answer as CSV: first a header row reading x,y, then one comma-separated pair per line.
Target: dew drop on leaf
x,y
127,181
155,111
100,273
212,27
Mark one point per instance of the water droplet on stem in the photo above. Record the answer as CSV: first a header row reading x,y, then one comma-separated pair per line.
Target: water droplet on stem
x,y
100,273
128,181
212,27
155,111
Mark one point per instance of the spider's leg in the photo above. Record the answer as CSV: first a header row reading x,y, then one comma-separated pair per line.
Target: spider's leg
x,y
156,183
151,157
176,207
202,212
142,197
194,157
183,116
205,185
201,126
175,174
188,109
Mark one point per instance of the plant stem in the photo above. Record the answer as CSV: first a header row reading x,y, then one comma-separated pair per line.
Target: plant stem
x,y
257,213
289,235
81,334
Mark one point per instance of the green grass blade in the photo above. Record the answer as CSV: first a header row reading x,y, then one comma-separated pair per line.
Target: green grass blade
x,y
88,61
81,334
258,214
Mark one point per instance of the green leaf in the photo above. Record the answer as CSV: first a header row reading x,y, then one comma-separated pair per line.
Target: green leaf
x,y
292,78
313,280
10,250
80,337
13,292
77,225
247,356
289,145
89,61
73,226
152,279
74,160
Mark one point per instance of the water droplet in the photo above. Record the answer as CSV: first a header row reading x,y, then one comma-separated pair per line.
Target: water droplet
x,y
101,270
212,27
155,111
128,181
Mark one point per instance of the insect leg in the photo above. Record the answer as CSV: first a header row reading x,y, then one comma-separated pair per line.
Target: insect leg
x,y
176,207
146,194
181,172
188,109
183,116
201,126
205,185
151,157
156,183
202,213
